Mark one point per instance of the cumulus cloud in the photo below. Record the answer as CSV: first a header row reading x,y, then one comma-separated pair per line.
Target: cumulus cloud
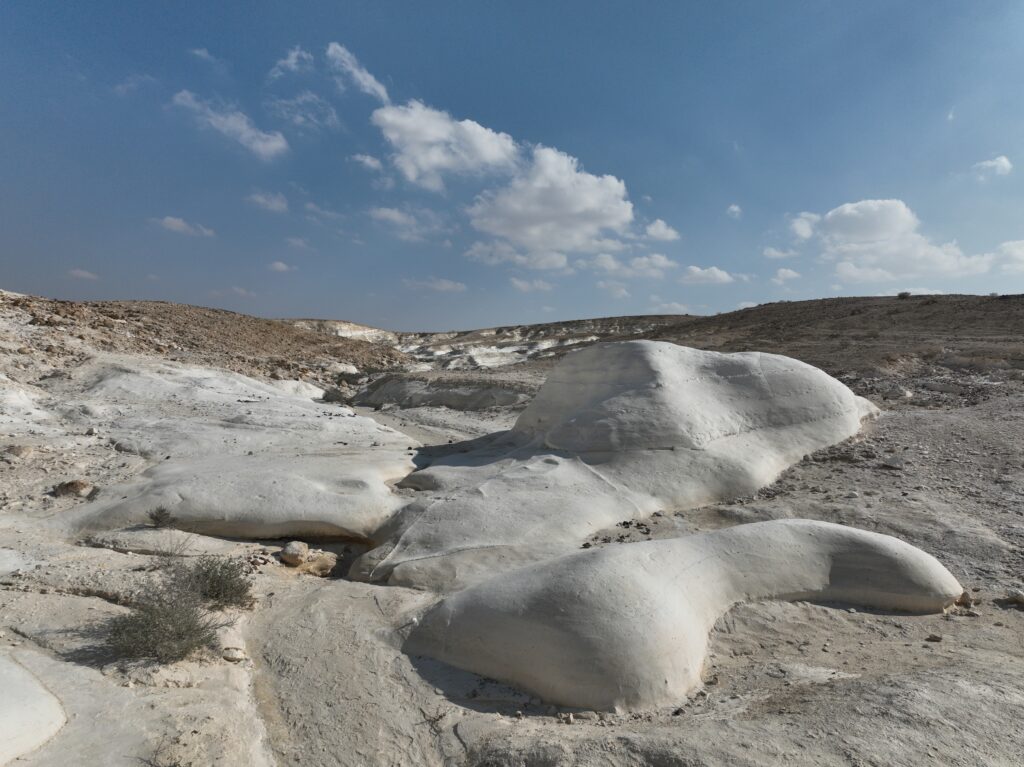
x,y
495,253
712,275
653,266
616,289
347,69
556,206
529,286
777,253
275,202
668,307
181,226
878,241
408,225
233,124
280,266
782,276
296,60
997,166
132,83
305,111
659,230
1012,256
429,143
318,214
436,284
205,56
734,211
369,162
82,274
802,225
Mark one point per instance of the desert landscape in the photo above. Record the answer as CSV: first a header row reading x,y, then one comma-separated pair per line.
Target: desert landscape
x,y
789,534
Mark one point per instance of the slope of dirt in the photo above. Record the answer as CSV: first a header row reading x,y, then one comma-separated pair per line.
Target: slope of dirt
x,y
888,333
201,336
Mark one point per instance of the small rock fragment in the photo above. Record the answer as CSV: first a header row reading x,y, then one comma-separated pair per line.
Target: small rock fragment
x,y
74,487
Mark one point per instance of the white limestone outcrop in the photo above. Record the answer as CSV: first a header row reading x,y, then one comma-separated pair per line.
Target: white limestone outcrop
x,y
233,456
626,627
618,431
29,713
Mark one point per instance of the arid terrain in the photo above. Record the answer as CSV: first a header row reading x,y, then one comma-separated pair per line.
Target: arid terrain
x,y
258,432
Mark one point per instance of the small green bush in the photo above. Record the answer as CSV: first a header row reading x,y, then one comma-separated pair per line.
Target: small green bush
x,y
160,517
166,627
217,581
173,619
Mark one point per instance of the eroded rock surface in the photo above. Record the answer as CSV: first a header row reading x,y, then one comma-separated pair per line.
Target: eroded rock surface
x,y
627,627
618,430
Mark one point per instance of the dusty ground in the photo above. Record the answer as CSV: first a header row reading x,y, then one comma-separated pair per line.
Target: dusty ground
x,y
324,682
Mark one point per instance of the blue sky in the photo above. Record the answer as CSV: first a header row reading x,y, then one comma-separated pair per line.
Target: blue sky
x,y
463,164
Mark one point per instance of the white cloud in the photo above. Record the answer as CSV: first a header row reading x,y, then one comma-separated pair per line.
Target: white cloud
x,y
368,161
347,68
429,143
242,292
776,253
132,83
81,274
297,242
652,266
616,289
408,225
495,253
712,275
659,230
439,285
784,275
527,286
204,55
997,166
670,307
734,211
1012,256
746,305
275,202
878,241
280,266
317,213
233,124
181,226
802,225
555,206
296,60
951,115
305,111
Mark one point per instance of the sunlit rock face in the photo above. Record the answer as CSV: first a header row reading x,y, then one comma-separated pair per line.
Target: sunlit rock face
x,y
626,627
618,431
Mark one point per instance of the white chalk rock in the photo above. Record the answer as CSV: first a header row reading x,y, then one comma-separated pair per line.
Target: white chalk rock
x,y
29,714
234,456
626,627
619,430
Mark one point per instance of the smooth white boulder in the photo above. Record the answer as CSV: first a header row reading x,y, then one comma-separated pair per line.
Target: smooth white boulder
x,y
234,456
29,713
618,431
626,627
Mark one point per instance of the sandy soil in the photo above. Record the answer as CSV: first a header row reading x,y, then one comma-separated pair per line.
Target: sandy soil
x,y
324,682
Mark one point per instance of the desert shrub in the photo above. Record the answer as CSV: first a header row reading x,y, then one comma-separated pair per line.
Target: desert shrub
x,y
165,626
160,517
903,294
216,581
